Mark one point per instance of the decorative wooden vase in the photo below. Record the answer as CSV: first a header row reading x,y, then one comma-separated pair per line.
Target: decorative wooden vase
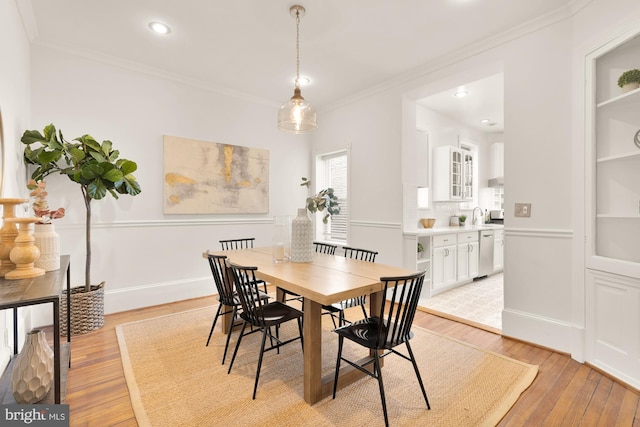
x,y
8,233
48,241
32,373
302,237
24,253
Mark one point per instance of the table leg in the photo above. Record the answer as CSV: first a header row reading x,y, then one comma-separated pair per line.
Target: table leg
x,y
375,304
56,351
312,332
226,318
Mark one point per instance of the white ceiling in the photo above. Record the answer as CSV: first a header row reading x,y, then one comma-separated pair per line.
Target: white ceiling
x,y
485,101
247,47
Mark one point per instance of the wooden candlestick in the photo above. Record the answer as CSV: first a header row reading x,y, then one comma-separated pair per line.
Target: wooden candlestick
x,y
8,233
24,253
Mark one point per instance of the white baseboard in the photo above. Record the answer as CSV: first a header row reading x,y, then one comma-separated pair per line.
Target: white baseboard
x,y
132,298
546,332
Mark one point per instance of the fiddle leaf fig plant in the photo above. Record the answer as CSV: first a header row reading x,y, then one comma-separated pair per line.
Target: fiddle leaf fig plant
x,y
94,166
324,199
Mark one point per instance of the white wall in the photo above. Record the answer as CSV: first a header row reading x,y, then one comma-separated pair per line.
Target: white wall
x,y
373,129
144,256
14,105
538,161
544,161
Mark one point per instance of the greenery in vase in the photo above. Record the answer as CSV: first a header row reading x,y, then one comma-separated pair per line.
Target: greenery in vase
x,y
420,247
324,199
463,218
40,205
92,165
630,76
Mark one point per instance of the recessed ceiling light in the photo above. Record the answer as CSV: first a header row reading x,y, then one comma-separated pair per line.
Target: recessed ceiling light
x,y
461,93
159,27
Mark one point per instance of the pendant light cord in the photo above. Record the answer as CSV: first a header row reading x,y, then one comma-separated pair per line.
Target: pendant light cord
x,y
297,48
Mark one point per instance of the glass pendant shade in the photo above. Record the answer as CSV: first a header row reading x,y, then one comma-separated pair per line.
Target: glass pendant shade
x,y
297,115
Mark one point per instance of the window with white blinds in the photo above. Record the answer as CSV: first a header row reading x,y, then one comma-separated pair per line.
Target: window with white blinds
x,y
332,172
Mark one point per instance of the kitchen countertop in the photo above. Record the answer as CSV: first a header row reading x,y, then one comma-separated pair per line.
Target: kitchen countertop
x,y
455,229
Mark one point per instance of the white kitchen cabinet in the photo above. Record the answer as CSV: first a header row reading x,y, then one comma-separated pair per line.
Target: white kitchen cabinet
x,y
443,259
498,251
452,174
468,255
496,160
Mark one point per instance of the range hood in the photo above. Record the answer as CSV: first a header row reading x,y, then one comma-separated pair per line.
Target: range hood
x,y
497,182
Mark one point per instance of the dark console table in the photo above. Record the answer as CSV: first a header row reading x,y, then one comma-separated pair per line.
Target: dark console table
x,y
40,290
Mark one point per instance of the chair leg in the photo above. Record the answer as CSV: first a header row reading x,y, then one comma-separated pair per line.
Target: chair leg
x,y
415,368
364,311
376,364
244,325
333,319
226,346
264,339
335,379
215,319
301,336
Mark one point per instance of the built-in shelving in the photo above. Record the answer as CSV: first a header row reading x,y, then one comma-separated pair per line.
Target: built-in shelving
x,y
612,211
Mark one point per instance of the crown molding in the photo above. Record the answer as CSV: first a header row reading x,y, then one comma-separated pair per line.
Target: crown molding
x,y
560,14
153,71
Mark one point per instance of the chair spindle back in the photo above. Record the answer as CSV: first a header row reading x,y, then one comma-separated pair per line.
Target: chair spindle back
x,y
399,308
362,254
231,244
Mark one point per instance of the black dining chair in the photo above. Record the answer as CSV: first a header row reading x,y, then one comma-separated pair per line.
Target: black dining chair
x,y
325,248
227,296
262,316
383,332
245,243
361,254
337,309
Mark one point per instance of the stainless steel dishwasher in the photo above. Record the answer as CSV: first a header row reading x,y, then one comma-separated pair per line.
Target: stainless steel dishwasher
x,y
485,265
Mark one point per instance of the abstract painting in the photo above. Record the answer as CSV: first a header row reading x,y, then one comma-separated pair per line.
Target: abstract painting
x,y
203,177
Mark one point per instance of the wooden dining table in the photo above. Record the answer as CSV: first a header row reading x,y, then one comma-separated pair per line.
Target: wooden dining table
x,y
326,280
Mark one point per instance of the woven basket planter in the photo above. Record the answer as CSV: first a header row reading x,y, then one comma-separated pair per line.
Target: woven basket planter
x,y
87,310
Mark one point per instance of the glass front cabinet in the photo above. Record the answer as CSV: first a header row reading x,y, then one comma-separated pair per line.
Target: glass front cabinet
x,y
612,196
452,174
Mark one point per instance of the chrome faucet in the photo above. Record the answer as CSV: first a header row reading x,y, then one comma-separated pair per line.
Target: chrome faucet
x,y
475,218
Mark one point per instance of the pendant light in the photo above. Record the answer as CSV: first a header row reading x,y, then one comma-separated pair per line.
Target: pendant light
x,y
297,115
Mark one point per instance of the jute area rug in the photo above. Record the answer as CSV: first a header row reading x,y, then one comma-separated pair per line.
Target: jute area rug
x,y
174,380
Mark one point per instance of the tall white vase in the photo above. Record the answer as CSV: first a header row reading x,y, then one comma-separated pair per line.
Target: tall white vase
x,y
32,373
302,237
48,241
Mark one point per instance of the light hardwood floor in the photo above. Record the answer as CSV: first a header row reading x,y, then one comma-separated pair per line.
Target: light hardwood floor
x,y
565,392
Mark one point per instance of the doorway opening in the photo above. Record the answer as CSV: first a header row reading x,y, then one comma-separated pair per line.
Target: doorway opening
x,y
475,120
